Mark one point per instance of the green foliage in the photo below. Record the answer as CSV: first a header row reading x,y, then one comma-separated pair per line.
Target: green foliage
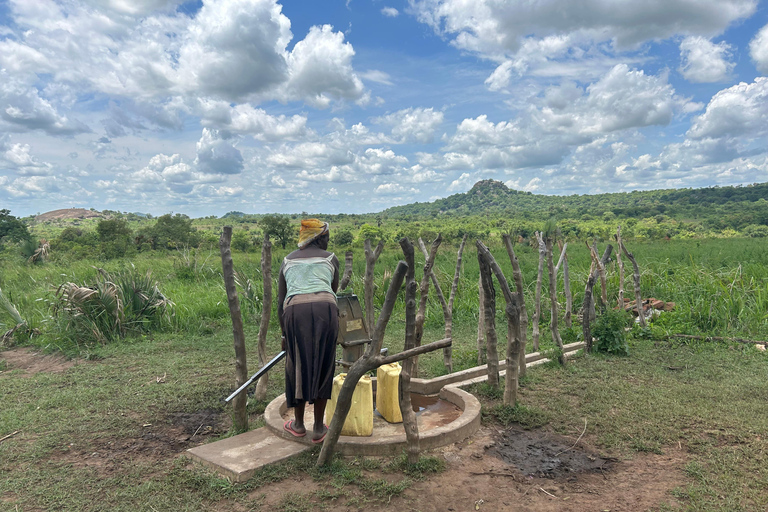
x,y
114,305
169,232
343,238
368,231
244,241
610,331
11,228
278,227
756,231
115,238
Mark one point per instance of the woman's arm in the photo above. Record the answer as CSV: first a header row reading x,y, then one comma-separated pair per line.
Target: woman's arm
x,y
282,290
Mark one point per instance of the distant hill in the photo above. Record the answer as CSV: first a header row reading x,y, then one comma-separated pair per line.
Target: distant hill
x,y
68,213
493,197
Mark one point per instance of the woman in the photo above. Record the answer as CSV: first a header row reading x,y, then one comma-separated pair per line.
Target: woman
x,y
309,278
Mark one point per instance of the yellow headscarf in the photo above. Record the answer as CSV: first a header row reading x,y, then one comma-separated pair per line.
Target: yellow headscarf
x,y
311,229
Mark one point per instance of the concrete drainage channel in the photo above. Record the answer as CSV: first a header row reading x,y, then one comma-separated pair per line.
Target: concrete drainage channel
x,y
446,414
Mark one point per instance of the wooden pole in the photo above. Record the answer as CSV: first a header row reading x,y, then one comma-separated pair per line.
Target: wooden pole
x,y
518,277
240,421
514,341
553,301
489,292
347,276
446,305
620,263
406,409
537,304
566,285
585,320
423,296
481,356
448,351
370,262
266,312
638,294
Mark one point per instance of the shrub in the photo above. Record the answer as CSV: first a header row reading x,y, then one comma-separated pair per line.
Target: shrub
x,y
112,307
609,330
343,237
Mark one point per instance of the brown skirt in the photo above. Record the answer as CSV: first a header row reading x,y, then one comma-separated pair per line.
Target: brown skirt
x,y
311,330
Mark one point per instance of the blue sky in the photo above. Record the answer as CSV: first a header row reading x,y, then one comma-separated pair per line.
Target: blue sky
x,y
203,107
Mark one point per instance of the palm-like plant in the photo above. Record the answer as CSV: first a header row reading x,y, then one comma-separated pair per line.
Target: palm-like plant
x,y
112,306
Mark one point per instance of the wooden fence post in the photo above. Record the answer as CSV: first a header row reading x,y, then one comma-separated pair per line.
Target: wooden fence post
x,y
348,274
566,284
514,339
406,409
553,300
492,354
370,262
638,294
518,277
240,421
266,311
537,304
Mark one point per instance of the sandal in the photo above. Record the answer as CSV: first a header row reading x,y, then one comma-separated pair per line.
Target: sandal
x,y
288,427
322,438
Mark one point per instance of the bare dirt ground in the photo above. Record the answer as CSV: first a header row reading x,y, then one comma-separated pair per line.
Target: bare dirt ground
x,y
67,213
32,361
496,470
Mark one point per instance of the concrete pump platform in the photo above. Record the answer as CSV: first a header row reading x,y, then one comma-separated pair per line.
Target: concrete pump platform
x,y
446,415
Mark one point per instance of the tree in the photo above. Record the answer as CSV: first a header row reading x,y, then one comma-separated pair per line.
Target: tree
x,y
278,227
343,237
12,228
170,231
114,238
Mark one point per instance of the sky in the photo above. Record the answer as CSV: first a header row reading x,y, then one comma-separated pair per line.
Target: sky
x,y
353,106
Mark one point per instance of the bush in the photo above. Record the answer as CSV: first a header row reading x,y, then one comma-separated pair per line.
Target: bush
x,y
343,237
169,232
610,331
110,308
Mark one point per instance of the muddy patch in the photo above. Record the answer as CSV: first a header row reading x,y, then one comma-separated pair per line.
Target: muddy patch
x,y
158,442
32,362
541,454
199,423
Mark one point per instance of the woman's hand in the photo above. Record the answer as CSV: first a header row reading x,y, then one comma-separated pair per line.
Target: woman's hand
x,y
282,342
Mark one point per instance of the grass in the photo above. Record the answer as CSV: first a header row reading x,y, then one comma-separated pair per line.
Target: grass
x,y
708,397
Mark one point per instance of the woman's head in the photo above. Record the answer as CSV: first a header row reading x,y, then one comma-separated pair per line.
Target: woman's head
x,y
313,232
321,241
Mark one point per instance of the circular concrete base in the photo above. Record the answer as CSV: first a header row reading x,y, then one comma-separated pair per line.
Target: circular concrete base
x,y
391,440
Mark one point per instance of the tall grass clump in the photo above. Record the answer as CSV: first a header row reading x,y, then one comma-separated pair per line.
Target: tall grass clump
x,y
112,307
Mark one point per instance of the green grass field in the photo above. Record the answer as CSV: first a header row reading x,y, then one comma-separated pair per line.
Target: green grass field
x,y
706,397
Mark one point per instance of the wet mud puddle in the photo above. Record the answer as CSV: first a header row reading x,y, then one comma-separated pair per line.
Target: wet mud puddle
x,y
542,454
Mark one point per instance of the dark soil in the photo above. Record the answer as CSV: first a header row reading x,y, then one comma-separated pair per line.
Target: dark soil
x,y
541,454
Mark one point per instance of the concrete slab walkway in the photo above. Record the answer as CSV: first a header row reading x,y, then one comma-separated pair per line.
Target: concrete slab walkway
x,y
238,457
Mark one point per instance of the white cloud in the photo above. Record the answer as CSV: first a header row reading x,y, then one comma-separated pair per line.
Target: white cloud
x,y
390,12
320,69
375,75
704,61
393,188
758,50
741,110
246,119
235,48
22,109
494,29
217,155
413,124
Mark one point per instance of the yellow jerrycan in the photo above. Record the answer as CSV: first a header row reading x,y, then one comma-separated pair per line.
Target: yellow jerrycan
x,y
387,394
360,418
